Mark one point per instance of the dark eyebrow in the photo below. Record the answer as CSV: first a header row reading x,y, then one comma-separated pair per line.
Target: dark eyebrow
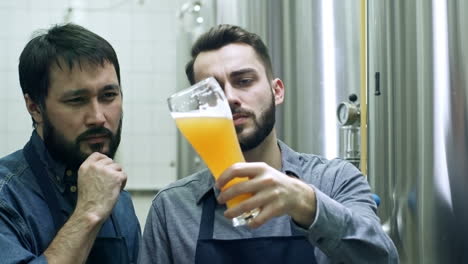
x,y
242,71
110,87
74,93
81,92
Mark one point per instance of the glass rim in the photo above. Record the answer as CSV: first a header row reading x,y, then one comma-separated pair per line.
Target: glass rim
x,y
195,86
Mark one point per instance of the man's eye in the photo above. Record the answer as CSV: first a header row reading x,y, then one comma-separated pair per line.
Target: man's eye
x,y
75,100
244,82
109,95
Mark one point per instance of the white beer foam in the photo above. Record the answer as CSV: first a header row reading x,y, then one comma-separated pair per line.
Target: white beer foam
x,y
193,114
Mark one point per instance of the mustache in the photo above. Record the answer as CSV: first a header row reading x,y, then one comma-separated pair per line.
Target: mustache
x,y
241,111
95,131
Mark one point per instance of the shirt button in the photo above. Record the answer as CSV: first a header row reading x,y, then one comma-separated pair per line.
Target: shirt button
x,y
69,173
73,189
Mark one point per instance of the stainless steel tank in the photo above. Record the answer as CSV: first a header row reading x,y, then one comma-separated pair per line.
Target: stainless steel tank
x,y
418,125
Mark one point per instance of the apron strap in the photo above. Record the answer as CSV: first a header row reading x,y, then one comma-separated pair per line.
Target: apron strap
x,y
45,183
115,224
207,218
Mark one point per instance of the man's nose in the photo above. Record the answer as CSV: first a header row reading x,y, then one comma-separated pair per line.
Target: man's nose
x,y
95,114
231,95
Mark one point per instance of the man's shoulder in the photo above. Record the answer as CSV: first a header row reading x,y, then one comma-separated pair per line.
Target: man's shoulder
x,y
125,197
188,187
178,205
321,161
12,167
320,171
13,161
332,167
311,161
124,208
330,175
290,155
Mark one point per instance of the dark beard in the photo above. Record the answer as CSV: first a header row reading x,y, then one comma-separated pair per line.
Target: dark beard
x,y
69,153
263,126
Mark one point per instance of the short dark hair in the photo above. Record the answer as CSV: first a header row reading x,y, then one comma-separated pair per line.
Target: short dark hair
x,y
222,35
69,43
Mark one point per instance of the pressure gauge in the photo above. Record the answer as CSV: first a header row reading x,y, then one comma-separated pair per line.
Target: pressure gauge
x,y
347,113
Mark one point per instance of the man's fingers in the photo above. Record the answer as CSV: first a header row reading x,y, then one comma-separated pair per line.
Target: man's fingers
x,y
115,166
95,156
124,182
251,186
265,214
93,159
242,169
259,200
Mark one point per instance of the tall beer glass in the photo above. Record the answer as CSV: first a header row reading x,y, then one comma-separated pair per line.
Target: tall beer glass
x,y
203,116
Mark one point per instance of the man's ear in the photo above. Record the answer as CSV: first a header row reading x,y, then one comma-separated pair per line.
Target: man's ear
x,y
34,109
278,90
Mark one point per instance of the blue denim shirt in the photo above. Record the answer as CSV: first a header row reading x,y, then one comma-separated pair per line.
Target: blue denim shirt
x,y
26,225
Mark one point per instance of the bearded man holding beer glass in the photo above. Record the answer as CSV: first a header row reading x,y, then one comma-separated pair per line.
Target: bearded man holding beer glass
x,y
311,210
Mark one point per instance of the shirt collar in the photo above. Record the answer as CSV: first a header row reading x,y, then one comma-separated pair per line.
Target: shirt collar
x,y
291,165
291,160
55,169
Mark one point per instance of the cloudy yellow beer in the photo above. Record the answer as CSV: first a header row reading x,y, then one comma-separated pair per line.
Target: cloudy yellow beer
x,y
215,140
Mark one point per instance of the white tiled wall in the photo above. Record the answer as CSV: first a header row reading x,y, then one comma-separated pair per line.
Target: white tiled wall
x,y
143,35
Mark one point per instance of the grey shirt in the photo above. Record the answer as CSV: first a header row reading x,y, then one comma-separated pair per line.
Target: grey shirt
x,y
345,229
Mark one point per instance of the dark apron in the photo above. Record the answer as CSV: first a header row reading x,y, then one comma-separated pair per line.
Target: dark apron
x,y
105,249
271,250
